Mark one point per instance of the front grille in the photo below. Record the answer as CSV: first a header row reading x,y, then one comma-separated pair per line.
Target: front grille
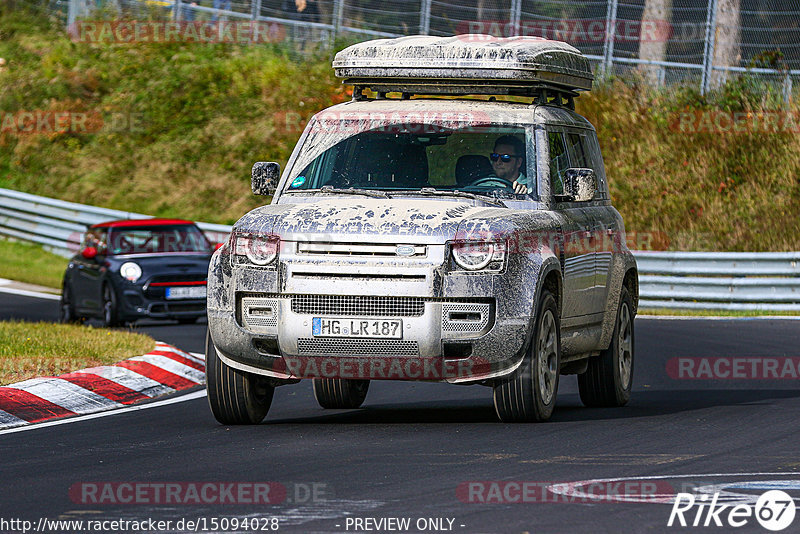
x,y
158,292
197,277
362,249
175,307
357,347
353,306
359,277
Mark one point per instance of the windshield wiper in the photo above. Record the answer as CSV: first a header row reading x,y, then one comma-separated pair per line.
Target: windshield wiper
x,y
353,191
430,191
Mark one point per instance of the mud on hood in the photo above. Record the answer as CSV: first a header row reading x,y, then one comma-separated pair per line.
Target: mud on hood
x,y
334,219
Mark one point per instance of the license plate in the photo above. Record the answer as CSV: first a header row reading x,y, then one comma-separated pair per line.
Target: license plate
x,y
190,292
373,328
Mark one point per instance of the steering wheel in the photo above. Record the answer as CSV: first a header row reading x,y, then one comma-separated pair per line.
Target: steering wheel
x,y
489,181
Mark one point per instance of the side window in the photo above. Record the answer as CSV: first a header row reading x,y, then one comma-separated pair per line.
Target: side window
x,y
558,162
576,145
596,159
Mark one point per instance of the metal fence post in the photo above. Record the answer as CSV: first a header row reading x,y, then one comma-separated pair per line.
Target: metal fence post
x,y
708,51
256,9
787,90
338,17
72,12
611,34
516,14
425,17
177,15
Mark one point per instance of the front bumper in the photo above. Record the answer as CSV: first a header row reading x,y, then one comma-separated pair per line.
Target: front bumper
x,y
136,304
450,340
456,328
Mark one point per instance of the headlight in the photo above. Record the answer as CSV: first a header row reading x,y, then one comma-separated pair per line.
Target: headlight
x,y
259,250
130,271
477,255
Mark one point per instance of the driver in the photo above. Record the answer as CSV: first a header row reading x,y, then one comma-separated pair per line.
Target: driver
x,y
507,160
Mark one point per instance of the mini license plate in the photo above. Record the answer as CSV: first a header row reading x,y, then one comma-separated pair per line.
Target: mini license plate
x,y
371,328
189,292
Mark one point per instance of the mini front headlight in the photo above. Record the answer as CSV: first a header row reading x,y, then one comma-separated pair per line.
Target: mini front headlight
x,y
130,271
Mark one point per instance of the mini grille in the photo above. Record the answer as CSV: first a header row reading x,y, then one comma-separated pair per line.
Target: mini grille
x,y
358,306
198,277
357,347
465,326
158,291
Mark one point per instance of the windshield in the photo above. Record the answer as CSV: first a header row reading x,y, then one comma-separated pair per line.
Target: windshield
x,y
157,239
476,160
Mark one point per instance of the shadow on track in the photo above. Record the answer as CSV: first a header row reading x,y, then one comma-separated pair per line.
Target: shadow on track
x,y
645,404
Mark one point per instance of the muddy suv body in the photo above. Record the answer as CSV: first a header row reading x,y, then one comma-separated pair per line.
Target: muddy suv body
x,y
393,250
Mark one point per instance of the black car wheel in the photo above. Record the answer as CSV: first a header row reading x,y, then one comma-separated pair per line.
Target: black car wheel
x,y
608,379
67,312
530,395
340,393
235,397
110,311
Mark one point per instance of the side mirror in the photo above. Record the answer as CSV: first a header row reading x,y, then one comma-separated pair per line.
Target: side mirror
x,y
580,184
89,253
265,177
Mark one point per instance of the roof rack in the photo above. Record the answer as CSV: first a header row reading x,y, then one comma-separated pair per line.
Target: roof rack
x,y
553,96
465,65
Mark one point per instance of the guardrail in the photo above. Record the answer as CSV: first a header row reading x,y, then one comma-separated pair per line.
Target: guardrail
x,y
767,281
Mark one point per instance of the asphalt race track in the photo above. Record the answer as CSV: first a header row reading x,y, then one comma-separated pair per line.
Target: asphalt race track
x,y
428,452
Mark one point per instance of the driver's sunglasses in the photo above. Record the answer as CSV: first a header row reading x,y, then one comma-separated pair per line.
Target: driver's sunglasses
x,y
505,158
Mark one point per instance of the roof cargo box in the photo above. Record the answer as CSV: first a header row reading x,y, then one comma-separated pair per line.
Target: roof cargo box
x,y
464,64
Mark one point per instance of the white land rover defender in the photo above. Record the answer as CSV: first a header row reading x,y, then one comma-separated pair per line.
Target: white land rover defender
x,y
451,223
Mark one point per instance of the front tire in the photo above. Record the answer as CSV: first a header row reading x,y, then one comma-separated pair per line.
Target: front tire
x,y
608,379
530,395
235,397
340,393
110,310
67,314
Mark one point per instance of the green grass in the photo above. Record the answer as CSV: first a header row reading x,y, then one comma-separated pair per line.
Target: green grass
x,y
29,350
26,262
205,113
700,191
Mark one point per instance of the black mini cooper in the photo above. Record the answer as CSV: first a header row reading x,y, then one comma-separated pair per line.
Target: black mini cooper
x,y
132,269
